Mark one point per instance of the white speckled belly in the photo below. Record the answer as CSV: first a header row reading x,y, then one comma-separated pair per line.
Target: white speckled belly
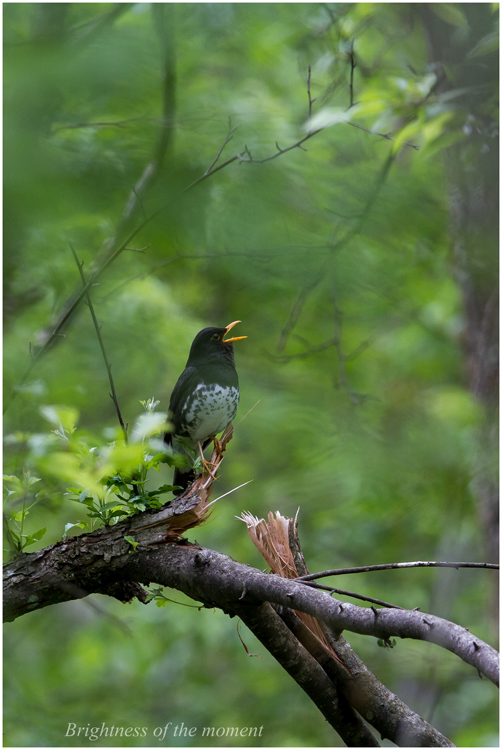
x,y
209,409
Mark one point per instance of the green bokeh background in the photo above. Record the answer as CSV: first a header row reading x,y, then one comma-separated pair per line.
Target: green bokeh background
x,y
380,455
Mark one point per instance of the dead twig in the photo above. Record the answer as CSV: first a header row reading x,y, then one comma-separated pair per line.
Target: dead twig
x,y
113,394
397,566
353,66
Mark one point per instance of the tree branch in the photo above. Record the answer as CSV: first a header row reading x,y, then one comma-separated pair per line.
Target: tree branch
x,y
395,566
97,560
351,594
392,718
113,394
268,627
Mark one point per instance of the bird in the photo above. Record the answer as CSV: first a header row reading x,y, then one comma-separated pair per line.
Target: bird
x,y
205,398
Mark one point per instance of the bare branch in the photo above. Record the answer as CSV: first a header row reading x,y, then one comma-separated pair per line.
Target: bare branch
x,y
113,394
104,124
163,18
342,370
396,566
311,101
229,137
387,136
306,353
352,594
298,144
392,718
98,23
298,307
268,627
33,581
353,66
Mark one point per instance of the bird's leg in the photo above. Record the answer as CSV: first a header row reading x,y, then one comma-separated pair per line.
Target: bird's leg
x,y
218,446
205,464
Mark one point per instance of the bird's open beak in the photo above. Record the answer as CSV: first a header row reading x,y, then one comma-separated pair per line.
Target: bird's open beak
x,y
229,328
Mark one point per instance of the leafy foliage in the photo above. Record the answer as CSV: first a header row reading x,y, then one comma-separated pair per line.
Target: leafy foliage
x,y
111,479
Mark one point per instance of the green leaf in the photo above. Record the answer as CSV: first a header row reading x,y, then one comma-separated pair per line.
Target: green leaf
x,y
131,541
139,506
152,423
78,524
109,506
32,538
161,490
61,416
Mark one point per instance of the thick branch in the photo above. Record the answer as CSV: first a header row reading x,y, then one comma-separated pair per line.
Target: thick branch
x,y
94,561
306,671
389,715
393,719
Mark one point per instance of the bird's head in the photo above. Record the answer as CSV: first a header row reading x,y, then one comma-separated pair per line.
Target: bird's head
x,y
212,344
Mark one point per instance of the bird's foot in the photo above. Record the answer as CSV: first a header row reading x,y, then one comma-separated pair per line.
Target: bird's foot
x,y
218,446
206,464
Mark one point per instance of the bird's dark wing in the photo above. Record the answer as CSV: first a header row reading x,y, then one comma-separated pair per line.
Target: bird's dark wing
x,y
187,383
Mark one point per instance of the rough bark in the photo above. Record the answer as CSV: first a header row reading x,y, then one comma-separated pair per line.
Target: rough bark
x,y
306,670
392,718
103,562
94,562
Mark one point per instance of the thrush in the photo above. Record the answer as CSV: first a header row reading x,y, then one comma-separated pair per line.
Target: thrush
x,y
205,398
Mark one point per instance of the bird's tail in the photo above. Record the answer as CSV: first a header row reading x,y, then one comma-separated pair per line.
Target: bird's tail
x,y
182,479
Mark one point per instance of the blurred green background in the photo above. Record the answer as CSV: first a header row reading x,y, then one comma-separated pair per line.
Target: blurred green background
x,y
375,436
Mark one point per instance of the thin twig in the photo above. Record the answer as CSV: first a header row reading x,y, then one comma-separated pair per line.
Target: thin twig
x,y
306,353
113,394
311,101
298,307
138,199
229,137
360,348
353,65
352,594
104,124
342,369
396,566
387,136
103,19
299,144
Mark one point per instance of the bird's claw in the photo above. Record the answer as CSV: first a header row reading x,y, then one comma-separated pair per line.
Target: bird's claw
x,y
218,446
206,464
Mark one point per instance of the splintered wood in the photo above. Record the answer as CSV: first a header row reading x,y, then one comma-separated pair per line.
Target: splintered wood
x,y
193,507
272,540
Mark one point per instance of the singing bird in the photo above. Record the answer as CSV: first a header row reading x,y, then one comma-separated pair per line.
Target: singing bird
x,y
205,398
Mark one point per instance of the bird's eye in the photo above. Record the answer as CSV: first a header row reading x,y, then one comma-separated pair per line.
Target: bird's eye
x,y
216,337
